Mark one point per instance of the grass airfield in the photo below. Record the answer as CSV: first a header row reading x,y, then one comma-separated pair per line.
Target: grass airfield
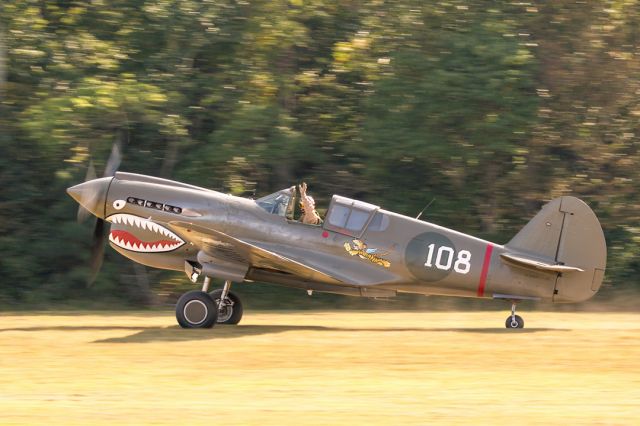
x,y
320,368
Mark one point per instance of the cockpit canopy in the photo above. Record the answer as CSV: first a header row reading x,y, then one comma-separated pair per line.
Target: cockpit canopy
x,y
345,216
281,203
352,217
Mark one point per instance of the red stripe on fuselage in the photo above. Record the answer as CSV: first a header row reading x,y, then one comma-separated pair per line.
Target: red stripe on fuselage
x,y
485,270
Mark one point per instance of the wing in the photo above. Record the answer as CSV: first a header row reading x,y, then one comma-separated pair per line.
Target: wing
x,y
221,245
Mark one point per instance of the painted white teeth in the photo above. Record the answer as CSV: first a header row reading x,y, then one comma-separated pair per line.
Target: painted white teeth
x,y
147,225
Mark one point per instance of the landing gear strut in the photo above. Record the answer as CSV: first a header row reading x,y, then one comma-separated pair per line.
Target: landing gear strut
x,y
513,320
229,305
200,309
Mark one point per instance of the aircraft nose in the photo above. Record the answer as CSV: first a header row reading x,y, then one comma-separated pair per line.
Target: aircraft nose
x,y
92,195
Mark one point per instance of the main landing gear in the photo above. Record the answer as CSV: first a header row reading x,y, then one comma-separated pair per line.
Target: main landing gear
x,y
200,309
513,320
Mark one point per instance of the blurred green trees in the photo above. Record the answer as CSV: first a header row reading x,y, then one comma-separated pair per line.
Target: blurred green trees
x,y
491,108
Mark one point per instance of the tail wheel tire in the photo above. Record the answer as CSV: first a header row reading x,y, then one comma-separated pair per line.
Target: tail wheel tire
x,y
514,322
196,309
230,312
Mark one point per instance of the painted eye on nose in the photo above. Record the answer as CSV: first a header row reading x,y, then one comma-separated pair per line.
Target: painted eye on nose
x,y
118,204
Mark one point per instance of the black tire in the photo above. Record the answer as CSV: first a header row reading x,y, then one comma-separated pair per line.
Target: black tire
x,y
196,309
231,313
516,322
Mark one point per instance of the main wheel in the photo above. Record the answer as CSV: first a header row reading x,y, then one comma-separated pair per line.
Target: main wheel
x,y
196,309
515,322
230,312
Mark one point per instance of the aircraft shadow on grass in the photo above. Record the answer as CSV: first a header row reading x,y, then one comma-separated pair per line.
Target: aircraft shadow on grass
x,y
75,328
176,334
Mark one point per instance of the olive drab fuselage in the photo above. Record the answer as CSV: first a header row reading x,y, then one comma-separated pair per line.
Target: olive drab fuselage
x,y
359,250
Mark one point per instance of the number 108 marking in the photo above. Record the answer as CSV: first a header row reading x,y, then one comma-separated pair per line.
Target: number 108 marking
x,y
444,259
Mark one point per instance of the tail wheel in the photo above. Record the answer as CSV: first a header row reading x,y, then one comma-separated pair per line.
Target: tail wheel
x,y
514,321
230,311
196,309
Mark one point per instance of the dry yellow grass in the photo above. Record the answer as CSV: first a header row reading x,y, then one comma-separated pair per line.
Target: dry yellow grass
x,y
321,368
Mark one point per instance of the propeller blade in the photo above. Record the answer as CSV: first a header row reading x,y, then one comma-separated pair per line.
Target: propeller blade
x,y
83,213
114,160
90,199
91,172
97,251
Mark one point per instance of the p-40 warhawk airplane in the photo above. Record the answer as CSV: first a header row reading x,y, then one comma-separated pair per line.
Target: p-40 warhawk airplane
x,y
359,250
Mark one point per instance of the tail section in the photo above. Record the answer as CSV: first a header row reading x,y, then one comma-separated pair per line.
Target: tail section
x,y
568,234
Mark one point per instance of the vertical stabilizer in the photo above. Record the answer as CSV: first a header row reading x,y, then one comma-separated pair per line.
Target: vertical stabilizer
x,y
540,237
566,232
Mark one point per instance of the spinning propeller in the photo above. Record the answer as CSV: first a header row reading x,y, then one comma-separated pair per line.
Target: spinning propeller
x,y
91,196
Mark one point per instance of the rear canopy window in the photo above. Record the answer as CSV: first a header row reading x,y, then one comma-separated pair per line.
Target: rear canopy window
x,y
357,220
339,215
348,216
380,222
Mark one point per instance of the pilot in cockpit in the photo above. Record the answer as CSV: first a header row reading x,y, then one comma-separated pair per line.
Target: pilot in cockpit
x,y
308,207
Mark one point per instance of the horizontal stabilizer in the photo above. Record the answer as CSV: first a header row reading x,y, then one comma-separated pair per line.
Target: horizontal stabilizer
x,y
537,264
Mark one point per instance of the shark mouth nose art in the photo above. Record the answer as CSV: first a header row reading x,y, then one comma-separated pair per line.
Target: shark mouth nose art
x,y
156,239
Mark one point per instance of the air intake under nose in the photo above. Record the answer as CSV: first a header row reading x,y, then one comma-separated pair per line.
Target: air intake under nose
x,y
92,195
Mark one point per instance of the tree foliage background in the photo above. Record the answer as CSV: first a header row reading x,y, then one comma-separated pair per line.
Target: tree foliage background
x,y
490,107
